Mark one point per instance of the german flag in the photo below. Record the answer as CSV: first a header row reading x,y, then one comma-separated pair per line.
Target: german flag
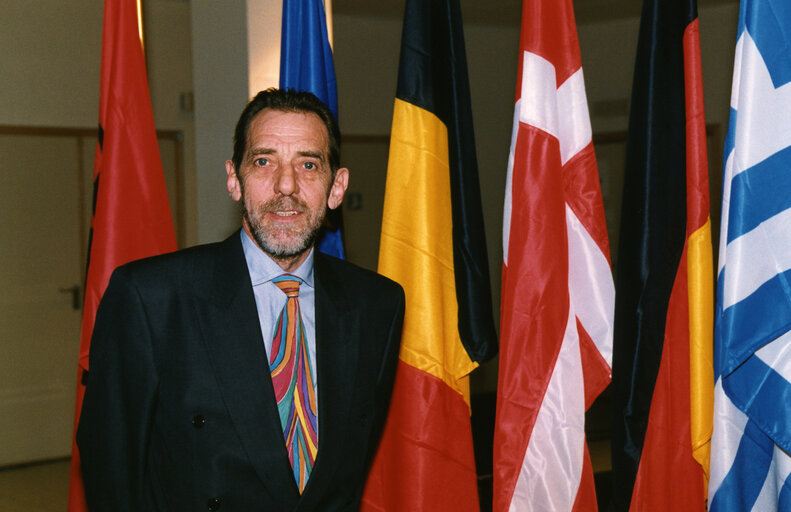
x,y
662,360
433,244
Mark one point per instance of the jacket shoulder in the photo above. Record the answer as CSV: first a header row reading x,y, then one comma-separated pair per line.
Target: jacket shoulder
x,y
180,268
343,274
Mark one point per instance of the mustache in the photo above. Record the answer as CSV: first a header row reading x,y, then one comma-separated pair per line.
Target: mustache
x,y
282,203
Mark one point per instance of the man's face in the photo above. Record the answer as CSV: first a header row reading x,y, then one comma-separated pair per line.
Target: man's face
x,y
286,183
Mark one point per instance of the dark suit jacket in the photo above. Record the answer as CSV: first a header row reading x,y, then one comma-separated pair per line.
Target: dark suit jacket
x,y
179,410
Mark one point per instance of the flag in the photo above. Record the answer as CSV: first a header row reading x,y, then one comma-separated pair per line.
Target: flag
x,y
662,359
131,215
557,288
750,463
306,65
433,244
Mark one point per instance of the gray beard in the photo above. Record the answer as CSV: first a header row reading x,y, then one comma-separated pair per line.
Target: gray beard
x,y
277,249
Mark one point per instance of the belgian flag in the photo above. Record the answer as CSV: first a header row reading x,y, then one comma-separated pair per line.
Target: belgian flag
x,y
433,244
662,358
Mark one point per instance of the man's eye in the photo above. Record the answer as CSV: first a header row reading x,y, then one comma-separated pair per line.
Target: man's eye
x,y
310,166
261,162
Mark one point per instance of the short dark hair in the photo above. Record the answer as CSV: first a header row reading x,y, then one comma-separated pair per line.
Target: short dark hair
x,y
287,100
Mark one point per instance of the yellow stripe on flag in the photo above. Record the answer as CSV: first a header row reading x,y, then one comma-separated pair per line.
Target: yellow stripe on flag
x,y
701,337
416,248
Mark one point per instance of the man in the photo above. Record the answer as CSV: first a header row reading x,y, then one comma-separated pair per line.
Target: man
x,y
187,406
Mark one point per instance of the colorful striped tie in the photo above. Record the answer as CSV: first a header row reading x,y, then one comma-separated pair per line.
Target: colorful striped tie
x,y
292,377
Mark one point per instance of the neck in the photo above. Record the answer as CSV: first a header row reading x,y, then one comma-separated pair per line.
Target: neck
x,y
290,264
287,263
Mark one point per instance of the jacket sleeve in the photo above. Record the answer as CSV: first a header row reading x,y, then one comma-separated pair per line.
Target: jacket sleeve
x,y
119,401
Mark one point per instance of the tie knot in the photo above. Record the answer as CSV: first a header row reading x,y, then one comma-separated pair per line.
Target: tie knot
x,y
288,284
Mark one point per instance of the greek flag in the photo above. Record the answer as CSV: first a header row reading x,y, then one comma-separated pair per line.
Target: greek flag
x,y
751,443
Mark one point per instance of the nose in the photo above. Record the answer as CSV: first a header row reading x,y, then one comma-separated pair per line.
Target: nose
x,y
286,181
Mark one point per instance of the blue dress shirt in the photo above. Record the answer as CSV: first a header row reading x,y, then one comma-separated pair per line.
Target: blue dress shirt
x,y
270,300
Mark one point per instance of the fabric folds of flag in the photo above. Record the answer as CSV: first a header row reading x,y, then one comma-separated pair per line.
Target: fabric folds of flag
x,y
433,244
306,64
557,288
131,214
750,463
662,360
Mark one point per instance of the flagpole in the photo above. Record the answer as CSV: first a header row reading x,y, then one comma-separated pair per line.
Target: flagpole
x,y
328,15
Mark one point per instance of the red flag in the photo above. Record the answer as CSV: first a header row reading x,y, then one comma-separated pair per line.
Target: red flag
x,y
131,213
557,288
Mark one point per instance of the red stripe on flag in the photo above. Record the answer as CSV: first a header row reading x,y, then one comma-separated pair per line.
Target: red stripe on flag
x,y
535,301
697,160
595,369
668,477
420,451
581,182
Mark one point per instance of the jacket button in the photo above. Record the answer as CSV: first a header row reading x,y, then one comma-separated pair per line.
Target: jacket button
x,y
198,421
213,504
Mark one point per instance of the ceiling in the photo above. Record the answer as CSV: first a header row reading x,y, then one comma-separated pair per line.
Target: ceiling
x,y
504,12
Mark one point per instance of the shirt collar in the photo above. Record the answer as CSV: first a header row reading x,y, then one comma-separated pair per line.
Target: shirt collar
x,y
263,268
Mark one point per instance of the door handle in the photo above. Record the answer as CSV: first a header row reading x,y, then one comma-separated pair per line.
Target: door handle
x,y
75,295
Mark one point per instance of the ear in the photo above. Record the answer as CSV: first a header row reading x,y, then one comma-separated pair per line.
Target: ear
x,y
338,188
232,181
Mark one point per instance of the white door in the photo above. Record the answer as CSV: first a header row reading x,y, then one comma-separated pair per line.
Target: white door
x,y
41,269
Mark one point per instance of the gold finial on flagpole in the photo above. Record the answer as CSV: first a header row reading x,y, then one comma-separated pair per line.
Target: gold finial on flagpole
x,y
140,23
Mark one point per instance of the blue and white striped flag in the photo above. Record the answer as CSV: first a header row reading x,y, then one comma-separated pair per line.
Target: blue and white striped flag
x,y
750,461
306,64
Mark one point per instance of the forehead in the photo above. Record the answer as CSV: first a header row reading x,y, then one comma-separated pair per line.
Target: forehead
x,y
275,129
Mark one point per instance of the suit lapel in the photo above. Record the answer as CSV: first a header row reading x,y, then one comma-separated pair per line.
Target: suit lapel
x,y
232,333
336,360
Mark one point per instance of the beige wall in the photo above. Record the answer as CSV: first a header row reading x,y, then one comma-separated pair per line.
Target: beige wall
x,y
50,62
169,59
219,54
608,52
